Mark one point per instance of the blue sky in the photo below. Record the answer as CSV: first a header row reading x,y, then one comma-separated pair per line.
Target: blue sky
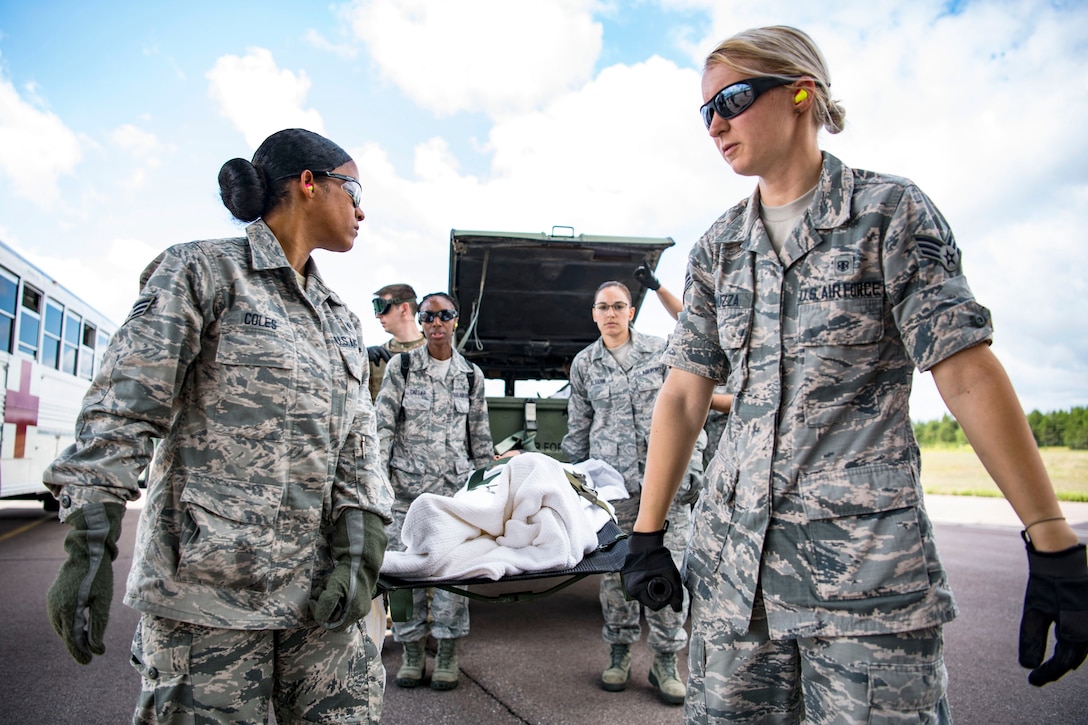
x,y
523,114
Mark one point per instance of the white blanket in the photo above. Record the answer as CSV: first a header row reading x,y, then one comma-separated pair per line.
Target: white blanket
x,y
525,517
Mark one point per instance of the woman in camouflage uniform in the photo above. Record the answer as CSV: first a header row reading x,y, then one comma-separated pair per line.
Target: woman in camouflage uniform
x,y
613,386
817,593
262,534
433,426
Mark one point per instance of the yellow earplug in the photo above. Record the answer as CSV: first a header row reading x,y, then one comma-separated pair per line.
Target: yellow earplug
x,y
801,95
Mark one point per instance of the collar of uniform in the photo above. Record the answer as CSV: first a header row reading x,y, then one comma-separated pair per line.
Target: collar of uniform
x,y
639,343
396,345
830,206
266,253
418,360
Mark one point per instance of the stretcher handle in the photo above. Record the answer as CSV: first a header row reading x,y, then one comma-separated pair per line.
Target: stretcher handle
x,y
659,589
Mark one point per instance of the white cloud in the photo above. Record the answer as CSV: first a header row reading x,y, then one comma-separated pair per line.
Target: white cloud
x,y
340,50
951,101
495,56
36,147
120,262
259,98
135,140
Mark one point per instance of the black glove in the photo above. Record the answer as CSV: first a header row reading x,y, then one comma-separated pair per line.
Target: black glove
x,y
1057,592
79,599
646,278
358,547
378,354
649,574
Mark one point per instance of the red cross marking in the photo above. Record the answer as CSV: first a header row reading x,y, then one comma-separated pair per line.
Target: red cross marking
x,y
21,408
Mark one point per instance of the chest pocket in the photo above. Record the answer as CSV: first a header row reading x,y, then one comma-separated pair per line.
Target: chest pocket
x,y
599,395
255,373
417,397
840,342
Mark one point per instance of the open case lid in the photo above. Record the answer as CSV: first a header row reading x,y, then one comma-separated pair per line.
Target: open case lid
x,y
525,298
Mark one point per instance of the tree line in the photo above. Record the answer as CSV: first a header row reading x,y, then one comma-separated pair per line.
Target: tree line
x,y
1058,428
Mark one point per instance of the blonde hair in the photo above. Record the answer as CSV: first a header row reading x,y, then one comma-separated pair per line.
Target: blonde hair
x,y
785,52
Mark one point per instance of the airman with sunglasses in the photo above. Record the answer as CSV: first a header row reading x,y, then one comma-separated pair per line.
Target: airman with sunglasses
x,y
817,593
395,307
433,430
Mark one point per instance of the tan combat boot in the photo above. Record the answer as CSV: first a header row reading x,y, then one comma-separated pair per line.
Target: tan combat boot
x,y
446,672
411,670
663,676
614,679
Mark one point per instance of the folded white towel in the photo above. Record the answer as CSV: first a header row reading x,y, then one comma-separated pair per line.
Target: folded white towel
x,y
525,517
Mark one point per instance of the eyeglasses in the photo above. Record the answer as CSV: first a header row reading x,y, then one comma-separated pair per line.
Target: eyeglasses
x,y
382,306
352,186
736,98
618,308
444,315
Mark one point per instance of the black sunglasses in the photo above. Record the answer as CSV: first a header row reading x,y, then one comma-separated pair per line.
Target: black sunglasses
x,y
444,315
381,306
736,98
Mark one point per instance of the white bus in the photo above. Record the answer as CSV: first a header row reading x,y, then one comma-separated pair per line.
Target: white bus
x,y
51,345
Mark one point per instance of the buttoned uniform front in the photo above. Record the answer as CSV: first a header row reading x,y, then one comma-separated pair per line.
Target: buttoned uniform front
x,y
608,417
609,412
256,389
813,497
434,433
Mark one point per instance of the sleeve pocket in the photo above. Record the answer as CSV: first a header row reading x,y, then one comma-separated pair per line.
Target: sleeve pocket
x,y
905,693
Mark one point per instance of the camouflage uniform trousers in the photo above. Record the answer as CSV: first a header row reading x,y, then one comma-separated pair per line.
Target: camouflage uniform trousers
x,y
447,612
622,617
886,678
191,673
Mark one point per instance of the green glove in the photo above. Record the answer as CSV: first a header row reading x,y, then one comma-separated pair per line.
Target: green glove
x,y
358,547
79,600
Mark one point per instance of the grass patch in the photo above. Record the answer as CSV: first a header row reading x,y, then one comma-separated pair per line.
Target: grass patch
x,y
956,471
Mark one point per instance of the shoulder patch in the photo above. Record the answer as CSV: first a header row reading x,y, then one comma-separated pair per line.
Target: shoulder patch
x,y
943,251
142,305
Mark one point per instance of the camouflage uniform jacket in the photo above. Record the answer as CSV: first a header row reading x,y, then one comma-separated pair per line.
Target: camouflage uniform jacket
x,y
814,492
433,433
257,390
377,372
609,411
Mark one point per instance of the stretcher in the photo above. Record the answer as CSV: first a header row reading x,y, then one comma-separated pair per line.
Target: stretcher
x,y
606,558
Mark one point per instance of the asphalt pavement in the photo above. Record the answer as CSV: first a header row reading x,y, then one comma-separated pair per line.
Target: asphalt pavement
x,y
538,661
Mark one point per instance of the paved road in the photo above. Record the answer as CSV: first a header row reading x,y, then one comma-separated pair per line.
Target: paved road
x,y
531,662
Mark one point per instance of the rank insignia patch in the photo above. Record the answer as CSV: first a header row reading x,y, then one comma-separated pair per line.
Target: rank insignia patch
x,y
944,252
142,305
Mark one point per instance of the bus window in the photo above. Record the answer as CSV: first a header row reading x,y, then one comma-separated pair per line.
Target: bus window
x,y
54,321
30,321
100,349
9,288
86,355
72,325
